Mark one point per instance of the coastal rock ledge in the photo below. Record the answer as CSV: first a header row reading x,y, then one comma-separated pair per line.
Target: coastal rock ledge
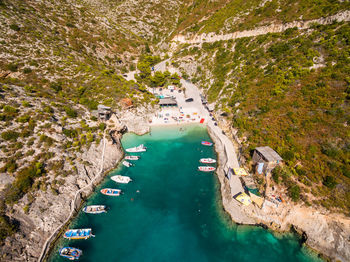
x,y
327,233
49,210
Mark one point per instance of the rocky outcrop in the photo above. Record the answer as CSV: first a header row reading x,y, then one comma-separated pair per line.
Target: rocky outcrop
x,y
137,119
325,232
48,210
272,28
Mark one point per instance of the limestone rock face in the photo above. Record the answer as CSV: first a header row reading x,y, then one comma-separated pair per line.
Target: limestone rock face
x,y
49,210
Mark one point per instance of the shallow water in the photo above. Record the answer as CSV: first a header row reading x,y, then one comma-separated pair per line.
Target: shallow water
x,y
172,212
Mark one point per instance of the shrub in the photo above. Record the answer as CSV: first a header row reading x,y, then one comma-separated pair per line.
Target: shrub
x,y
56,86
294,192
7,227
23,119
10,109
12,67
276,175
70,112
24,181
9,167
329,181
15,27
9,135
27,70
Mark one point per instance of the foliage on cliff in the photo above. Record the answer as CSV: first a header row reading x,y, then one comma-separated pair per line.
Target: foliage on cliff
x,y
289,91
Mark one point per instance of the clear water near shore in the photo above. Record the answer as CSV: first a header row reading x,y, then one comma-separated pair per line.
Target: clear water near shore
x,y
172,212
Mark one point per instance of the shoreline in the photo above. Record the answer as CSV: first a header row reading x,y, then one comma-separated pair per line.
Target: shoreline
x,y
229,211
237,213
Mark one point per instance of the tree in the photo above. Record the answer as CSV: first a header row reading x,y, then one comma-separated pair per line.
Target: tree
x,y
158,79
294,193
145,69
329,181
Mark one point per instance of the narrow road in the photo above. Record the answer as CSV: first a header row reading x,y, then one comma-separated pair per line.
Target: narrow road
x,y
273,28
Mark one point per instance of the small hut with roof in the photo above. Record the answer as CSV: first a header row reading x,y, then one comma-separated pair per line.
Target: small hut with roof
x,y
266,159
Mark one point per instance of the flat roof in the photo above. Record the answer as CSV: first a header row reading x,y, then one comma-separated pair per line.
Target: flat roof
x,y
268,153
167,101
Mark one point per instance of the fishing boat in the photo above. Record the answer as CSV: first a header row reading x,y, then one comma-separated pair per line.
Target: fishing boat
x,y
127,164
71,253
95,209
140,148
207,160
206,168
206,143
132,157
121,179
111,192
83,233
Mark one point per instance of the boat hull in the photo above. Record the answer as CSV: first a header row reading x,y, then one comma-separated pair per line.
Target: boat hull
x,y
70,252
111,192
132,158
95,209
84,233
206,168
140,148
121,179
206,143
207,161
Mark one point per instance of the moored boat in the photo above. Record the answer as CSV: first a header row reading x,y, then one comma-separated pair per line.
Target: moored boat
x,y
95,209
111,191
206,168
132,157
140,148
126,163
207,160
82,233
121,179
206,143
71,253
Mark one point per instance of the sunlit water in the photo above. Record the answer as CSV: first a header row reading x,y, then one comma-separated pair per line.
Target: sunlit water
x,y
172,212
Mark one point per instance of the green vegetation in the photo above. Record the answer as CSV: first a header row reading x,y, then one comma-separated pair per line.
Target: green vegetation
x,y
222,16
24,181
289,91
158,79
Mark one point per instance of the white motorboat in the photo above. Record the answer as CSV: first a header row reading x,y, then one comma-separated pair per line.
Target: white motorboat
x,y
127,164
207,160
206,168
140,148
121,179
132,157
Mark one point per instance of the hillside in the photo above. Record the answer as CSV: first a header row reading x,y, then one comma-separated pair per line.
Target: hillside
x,y
288,90
59,59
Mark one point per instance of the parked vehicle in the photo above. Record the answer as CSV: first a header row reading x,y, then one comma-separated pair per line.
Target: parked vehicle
x,y
189,100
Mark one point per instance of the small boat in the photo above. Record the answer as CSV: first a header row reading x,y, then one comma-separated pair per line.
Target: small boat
x,y
71,253
140,148
121,179
206,168
95,209
83,233
132,157
111,192
207,160
206,143
127,164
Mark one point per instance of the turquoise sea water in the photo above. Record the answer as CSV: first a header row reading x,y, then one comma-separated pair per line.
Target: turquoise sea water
x,y
172,212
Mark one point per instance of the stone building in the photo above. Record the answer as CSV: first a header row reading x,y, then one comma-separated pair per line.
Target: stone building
x,y
266,159
104,112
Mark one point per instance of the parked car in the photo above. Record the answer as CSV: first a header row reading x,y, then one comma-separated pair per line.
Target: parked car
x,y
189,99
